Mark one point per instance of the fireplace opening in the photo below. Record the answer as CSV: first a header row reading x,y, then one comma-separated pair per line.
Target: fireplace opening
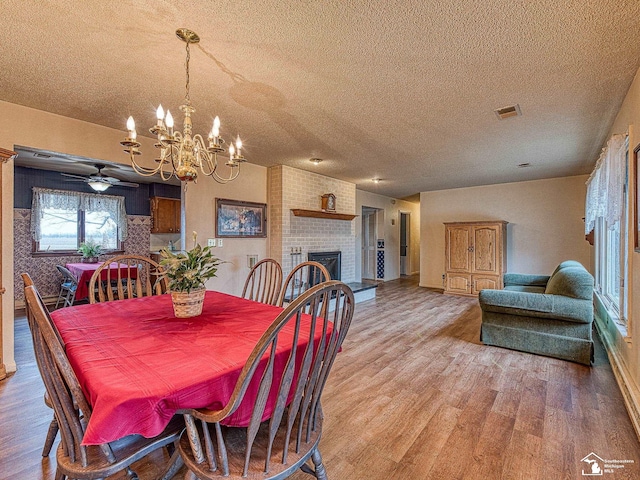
x,y
331,261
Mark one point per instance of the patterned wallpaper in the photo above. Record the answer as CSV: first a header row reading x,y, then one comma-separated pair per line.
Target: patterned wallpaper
x,y
43,269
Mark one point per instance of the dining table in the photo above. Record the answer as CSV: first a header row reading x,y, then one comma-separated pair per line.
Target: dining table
x,y
84,271
138,364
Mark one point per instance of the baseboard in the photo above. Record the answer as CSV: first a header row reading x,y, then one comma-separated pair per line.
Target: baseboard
x,y
11,367
628,388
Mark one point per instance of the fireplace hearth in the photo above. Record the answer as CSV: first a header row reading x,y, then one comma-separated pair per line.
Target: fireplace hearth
x,y
331,261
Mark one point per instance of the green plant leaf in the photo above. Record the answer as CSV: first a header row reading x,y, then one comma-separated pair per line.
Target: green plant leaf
x,y
189,270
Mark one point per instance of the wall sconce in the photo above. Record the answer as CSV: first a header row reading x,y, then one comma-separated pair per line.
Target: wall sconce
x,y
252,260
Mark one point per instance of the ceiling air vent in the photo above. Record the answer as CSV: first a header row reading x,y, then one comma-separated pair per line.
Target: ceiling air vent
x,y
510,111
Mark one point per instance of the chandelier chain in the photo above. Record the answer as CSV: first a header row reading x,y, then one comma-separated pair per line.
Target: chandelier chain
x,y
186,96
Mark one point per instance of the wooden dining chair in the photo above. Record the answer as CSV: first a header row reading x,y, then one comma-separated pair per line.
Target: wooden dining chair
x,y
137,276
73,411
264,282
68,287
53,426
287,369
302,277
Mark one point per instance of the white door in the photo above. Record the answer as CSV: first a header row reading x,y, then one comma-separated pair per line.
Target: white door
x,y
368,244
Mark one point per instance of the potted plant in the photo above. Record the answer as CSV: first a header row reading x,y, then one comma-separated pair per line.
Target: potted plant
x,y
187,273
90,251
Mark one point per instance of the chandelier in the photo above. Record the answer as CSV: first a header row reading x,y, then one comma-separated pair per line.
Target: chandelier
x,y
183,154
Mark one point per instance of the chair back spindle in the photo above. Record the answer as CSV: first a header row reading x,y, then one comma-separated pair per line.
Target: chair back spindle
x,y
287,370
136,277
304,276
264,282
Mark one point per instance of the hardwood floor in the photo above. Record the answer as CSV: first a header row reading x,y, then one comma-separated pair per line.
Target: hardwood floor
x,y
413,395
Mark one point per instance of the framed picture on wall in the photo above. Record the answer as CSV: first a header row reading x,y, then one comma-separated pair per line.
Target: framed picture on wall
x,y
236,219
636,199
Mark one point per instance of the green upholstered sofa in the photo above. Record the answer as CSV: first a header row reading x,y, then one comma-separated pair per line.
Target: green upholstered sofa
x,y
546,315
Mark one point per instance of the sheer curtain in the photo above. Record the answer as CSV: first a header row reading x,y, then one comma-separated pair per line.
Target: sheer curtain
x,y
605,185
44,198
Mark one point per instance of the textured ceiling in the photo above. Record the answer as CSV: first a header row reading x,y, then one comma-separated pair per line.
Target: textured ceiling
x,y
400,90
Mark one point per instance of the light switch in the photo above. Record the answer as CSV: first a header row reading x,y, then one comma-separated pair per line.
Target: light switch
x,y
219,242
211,242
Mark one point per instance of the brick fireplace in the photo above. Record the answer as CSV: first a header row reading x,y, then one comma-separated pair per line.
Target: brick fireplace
x,y
291,238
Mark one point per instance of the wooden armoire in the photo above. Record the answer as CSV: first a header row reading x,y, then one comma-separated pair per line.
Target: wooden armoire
x,y
475,256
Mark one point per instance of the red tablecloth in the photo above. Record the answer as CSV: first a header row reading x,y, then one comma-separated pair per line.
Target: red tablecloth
x,y
84,271
138,364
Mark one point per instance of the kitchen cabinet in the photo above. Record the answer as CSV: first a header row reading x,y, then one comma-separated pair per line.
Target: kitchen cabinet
x,y
165,215
475,256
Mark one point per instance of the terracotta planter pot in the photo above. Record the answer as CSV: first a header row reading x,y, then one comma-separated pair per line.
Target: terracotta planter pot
x,y
188,304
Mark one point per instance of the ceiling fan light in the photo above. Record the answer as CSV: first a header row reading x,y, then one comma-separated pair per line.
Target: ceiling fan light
x,y
99,186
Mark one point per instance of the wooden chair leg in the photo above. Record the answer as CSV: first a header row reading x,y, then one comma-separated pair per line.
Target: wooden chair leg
x,y
174,464
320,473
51,437
132,475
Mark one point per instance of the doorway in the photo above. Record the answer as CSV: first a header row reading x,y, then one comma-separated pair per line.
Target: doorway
x,y
369,238
405,255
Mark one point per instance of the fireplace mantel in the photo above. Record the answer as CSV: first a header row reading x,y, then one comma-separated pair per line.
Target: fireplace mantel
x,y
298,212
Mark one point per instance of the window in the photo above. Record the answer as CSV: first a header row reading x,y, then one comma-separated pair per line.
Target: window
x,y
608,268
61,220
607,213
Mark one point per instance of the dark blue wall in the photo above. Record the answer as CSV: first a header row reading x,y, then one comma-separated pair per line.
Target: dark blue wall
x,y
136,199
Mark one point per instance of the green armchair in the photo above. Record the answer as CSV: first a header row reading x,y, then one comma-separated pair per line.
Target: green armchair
x,y
549,316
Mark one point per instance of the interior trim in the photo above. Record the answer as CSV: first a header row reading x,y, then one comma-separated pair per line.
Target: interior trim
x,y
630,392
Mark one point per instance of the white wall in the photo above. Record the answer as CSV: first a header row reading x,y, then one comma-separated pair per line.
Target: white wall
x,y
390,233
545,223
200,203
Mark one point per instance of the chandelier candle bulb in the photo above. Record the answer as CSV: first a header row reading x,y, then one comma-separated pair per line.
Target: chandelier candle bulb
x,y
131,126
160,115
169,121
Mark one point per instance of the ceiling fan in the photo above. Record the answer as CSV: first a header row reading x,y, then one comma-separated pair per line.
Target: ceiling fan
x,y
99,182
